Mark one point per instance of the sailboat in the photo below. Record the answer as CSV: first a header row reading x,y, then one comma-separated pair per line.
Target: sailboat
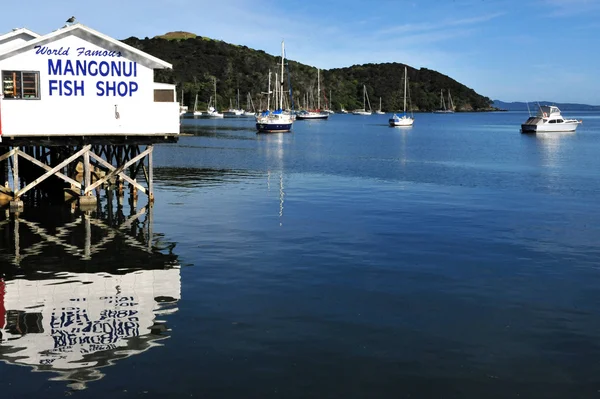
x,y
329,102
315,113
379,111
443,109
364,111
276,121
403,120
212,112
250,110
194,112
233,112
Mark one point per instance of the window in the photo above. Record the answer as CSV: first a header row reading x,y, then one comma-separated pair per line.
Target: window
x,y
20,84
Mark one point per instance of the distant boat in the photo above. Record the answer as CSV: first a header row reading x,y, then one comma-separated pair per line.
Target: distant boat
x,y
212,112
312,115
317,114
277,121
403,120
549,119
443,109
379,111
194,112
234,112
363,110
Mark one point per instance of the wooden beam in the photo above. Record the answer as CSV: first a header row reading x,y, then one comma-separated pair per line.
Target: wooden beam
x,y
8,154
46,167
53,170
117,171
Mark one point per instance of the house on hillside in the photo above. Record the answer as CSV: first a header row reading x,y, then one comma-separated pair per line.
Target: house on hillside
x,y
76,81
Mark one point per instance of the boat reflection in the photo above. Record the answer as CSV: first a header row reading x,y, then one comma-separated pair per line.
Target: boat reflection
x,y
83,290
273,148
550,144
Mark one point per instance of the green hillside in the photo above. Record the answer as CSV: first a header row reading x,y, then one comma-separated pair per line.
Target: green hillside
x,y
197,60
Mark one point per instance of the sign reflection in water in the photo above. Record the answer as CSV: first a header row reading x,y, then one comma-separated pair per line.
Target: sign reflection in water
x,y
55,317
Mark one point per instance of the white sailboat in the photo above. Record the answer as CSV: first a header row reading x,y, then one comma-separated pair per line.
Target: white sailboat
x,y
403,120
364,111
212,111
316,113
194,112
443,109
379,111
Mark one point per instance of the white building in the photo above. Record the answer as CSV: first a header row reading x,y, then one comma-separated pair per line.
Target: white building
x,y
76,81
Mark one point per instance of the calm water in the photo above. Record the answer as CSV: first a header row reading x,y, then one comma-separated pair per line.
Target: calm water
x,y
454,259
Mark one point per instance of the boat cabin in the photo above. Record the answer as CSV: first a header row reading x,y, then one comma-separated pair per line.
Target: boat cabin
x,y
76,81
548,111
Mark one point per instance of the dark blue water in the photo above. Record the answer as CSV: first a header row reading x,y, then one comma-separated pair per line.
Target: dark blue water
x,y
454,259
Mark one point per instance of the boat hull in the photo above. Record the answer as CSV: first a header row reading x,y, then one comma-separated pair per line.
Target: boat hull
x,y
402,122
273,127
311,117
549,127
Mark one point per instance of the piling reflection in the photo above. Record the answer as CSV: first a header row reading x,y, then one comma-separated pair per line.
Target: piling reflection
x,y
81,290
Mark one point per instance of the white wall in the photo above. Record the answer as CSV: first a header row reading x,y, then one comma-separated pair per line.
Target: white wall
x,y
91,109
14,42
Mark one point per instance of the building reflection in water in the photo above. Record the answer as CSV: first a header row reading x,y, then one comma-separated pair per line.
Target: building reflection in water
x,y
81,290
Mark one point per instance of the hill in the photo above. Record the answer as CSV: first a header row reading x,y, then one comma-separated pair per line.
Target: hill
x,y
197,60
522,106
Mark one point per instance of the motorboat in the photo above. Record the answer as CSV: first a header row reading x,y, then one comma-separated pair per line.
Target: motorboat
x,y
549,119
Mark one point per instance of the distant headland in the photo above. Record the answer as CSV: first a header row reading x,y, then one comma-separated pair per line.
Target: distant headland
x,y
523,106
198,60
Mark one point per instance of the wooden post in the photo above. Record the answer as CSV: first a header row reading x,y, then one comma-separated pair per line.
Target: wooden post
x,y
150,175
87,201
87,252
15,173
16,205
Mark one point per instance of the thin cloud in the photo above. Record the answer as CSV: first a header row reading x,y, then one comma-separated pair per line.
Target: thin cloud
x,y
569,8
448,23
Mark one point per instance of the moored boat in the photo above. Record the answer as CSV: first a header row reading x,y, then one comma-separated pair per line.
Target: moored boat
x,y
403,120
312,115
549,119
277,121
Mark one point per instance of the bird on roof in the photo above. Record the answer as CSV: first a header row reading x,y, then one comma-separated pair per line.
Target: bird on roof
x,y
71,20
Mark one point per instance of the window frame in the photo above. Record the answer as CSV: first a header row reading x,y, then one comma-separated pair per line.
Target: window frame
x,y
19,79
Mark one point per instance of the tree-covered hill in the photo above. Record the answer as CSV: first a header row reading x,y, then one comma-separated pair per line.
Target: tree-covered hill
x,y
198,60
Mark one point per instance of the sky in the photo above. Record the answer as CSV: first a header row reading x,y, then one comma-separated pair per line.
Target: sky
x,y
511,50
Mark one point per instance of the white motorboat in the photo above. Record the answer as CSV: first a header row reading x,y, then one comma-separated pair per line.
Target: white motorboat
x,y
549,119
403,120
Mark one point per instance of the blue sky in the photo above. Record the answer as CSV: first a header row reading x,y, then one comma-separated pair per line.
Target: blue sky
x,y
504,49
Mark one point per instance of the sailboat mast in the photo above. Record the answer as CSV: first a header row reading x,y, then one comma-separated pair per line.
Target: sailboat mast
x,y
405,90
282,65
276,91
269,93
215,94
364,97
318,91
